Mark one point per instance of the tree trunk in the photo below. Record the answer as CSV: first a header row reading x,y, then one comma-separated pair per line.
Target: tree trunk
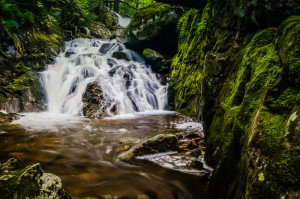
x,y
116,5
101,4
137,4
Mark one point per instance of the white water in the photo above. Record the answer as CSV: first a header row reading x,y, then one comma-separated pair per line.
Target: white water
x,y
91,60
123,21
65,81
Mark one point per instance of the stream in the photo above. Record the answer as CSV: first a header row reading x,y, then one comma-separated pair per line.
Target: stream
x,y
83,152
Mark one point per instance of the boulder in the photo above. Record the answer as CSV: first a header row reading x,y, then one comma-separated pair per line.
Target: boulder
x,y
157,144
118,35
154,27
120,55
106,47
99,30
30,182
95,105
154,58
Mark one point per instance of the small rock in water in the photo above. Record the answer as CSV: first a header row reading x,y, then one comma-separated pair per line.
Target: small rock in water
x,y
195,165
120,55
68,53
10,165
157,144
105,48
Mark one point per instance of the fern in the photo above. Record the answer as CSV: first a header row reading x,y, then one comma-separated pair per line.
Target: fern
x,y
183,23
201,26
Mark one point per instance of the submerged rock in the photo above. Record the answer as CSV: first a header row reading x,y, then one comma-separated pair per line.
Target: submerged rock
x,y
158,144
30,182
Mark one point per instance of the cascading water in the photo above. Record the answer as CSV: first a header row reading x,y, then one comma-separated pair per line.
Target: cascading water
x,y
122,21
83,152
130,85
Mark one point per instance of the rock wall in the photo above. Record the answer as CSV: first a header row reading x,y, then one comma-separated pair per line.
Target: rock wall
x,y
237,69
154,27
23,52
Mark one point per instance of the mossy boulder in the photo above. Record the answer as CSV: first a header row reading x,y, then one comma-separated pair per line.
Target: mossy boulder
x,y
157,144
153,27
30,182
120,55
154,58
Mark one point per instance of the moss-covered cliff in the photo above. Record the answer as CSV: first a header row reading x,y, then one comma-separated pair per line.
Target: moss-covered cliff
x,y
24,51
241,78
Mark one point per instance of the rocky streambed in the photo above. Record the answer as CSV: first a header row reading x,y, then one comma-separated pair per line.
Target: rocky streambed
x,y
150,155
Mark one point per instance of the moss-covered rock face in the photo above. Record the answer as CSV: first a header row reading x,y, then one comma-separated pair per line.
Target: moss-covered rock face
x,y
30,182
154,27
244,87
24,52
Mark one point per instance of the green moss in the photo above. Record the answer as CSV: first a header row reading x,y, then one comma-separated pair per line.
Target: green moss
x,y
156,9
14,187
283,101
270,133
245,91
288,40
286,169
51,39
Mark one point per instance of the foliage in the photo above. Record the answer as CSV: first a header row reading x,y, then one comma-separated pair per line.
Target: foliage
x,y
15,13
125,10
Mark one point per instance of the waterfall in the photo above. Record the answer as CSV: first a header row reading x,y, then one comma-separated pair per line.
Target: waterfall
x,y
129,84
123,21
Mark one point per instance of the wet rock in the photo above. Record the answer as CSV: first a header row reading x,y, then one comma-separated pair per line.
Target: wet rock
x,y
163,79
113,70
7,117
27,102
95,105
153,58
26,50
195,165
30,182
154,27
105,48
68,53
119,35
120,55
10,165
158,144
197,152
99,30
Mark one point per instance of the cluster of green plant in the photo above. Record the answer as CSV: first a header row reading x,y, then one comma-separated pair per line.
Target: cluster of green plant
x,y
183,22
15,13
126,10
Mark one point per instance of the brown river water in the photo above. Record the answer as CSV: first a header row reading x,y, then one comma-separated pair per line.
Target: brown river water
x,y
83,152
